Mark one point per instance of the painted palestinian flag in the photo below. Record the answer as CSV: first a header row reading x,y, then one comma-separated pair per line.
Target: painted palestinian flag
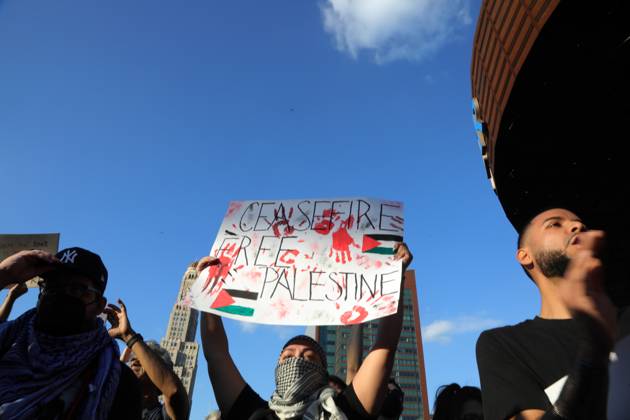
x,y
237,302
380,244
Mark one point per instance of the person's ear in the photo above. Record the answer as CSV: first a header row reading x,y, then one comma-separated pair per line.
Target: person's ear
x,y
524,258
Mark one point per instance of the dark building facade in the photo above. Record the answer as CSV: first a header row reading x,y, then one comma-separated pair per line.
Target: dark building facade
x,y
408,368
550,92
506,32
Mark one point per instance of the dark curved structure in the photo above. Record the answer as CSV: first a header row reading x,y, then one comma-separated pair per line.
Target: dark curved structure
x,y
551,89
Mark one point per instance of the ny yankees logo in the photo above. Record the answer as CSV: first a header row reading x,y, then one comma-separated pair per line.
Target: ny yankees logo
x,y
69,256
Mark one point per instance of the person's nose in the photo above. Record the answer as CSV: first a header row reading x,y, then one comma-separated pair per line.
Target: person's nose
x,y
577,226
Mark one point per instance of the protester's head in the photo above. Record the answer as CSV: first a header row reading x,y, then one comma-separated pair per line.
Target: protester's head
x,y
71,296
138,369
301,369
303,346
392,407
548,242
453,402
336,383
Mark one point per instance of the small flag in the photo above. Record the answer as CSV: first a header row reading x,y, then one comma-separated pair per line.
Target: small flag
x,y
235,302
380,244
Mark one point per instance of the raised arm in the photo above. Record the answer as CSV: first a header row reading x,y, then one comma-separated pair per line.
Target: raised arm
x,y
226,380
24,265
14,293
370,382
585,393
355,352
162,376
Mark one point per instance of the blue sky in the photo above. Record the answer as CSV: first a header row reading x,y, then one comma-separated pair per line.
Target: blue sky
x,y
128,126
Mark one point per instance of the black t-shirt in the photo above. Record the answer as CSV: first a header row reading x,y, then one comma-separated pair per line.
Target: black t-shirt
x,y
128,400
249,403
524,366
619,380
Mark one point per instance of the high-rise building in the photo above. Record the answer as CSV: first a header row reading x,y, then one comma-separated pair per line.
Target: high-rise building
x,y
180,335
408,368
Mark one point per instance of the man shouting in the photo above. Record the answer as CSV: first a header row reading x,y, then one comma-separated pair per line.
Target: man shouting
x,y
554,366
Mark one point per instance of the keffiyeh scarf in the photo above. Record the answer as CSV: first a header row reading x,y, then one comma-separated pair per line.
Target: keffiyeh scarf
x,y
36,368
301,391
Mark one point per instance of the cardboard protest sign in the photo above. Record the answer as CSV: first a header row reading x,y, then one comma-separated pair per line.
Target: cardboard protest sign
x,y
304,262
10,244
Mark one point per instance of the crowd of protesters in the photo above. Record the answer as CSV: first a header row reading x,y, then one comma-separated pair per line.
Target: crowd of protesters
x,y
59,360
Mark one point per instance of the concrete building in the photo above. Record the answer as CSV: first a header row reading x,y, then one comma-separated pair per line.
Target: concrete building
x,y
408,368
180,335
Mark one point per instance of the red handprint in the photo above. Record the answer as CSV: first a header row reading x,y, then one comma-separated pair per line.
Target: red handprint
x,y
355,316
218,272
283,221
324,226
341,239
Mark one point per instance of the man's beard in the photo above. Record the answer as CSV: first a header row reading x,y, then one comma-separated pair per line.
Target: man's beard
x,y
552,263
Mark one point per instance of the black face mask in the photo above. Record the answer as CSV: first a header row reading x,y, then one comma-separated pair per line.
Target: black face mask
x,y
60,314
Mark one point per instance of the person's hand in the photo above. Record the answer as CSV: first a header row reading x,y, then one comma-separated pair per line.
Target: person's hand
x,y
584,295
206,262
117,316
403,253
203,263
17,290
25,265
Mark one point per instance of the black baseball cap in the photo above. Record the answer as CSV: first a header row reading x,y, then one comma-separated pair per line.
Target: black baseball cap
x,y
84,262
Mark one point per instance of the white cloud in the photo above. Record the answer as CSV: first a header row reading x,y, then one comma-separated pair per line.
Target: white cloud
x,y
394,29
442,331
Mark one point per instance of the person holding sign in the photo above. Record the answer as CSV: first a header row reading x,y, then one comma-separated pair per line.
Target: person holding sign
x,y
300,375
